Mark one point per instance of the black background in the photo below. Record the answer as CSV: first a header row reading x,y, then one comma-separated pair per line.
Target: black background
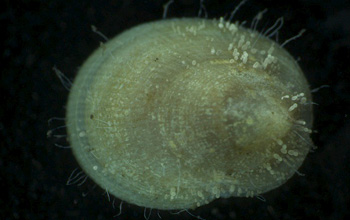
x,y
41,34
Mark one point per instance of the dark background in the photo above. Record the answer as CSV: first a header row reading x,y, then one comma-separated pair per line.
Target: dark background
x,y
41,34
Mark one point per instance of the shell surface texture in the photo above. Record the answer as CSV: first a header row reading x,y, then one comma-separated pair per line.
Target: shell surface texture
x,y
175,113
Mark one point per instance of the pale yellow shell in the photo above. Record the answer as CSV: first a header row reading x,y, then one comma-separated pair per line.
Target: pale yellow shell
x,y
175,113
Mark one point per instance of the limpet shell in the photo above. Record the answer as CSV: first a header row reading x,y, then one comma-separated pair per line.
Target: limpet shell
x,y
174,113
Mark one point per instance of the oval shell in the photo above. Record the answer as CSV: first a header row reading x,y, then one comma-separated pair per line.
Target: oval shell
x,y
175,113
